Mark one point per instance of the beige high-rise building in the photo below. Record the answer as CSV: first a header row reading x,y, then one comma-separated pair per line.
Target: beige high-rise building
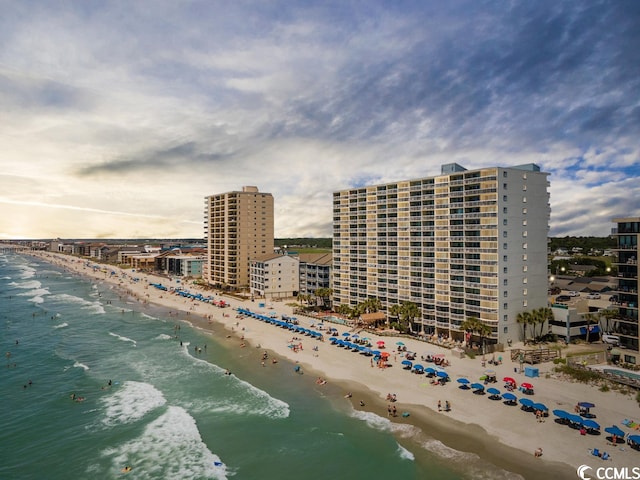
x,y
238,228
459,245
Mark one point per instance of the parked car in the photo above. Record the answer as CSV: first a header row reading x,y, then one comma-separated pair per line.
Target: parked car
x,y
563,298
593,296
611,339
573,293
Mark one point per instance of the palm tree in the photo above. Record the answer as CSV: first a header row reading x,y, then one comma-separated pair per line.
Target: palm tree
x,y
345,310
395,311
544,315
408,312
372,305
590,318
476,326
324,294
608,314
524,319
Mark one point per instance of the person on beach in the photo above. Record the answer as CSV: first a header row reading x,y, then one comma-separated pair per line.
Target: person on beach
x,y
538,452
439,406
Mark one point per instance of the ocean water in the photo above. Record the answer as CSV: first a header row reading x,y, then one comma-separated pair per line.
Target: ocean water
x,y
170,413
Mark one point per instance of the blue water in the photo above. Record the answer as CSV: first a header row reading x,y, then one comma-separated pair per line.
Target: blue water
x,y
170,413
624,373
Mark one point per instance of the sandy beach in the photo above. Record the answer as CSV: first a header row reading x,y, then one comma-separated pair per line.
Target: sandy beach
x,y
503,435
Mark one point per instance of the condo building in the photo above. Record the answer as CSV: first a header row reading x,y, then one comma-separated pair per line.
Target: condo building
x,y
466,243
625,326
238,228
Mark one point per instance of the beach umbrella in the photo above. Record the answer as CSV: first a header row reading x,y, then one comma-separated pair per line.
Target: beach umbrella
x,y
614,430
463,381
493,391
430,370
376,352
385,354
527,402
333,339
562,414
442,374
355,335
380,343
510,397
591,424
575,419
540,406
491,373
527,385
346,334
400,343
477,386
407,362
634,438
586,405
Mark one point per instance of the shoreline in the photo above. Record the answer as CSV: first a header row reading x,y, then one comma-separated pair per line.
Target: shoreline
x,y
502,436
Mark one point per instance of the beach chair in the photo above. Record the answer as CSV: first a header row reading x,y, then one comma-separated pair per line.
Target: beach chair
x,y
595,452
605,456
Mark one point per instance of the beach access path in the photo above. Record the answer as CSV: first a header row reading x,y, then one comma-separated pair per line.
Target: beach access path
x,y
501,424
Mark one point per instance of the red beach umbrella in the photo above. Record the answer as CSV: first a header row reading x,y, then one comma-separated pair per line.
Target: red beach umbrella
x,y
380,342
526,385
509,380
385,354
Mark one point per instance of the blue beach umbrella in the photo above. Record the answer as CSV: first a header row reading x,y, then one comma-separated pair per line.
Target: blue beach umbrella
x,y
540,406
400,343
442,374
561,414
430,370
614,430
586,405
346,334
463,381
493,391
575,419
527,402
417,366
477,386
407,362
634,438
510,397
591,424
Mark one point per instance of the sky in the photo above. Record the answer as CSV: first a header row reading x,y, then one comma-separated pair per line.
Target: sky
x,y
118,118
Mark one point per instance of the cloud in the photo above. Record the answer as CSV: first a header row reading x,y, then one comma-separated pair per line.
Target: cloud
x,y
147,108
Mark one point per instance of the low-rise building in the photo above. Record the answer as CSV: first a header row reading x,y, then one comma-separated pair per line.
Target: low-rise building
x,y
274,276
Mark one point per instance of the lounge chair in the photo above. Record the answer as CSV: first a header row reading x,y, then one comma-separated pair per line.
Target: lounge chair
x,y
605,456
595,452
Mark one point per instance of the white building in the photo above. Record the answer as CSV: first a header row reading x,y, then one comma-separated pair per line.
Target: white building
x,y
463,244
275,276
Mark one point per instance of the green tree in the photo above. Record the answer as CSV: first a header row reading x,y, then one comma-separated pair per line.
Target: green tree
x,y
476,327
590,318
324,294
608,314
524,319
345,310
408,311
543,315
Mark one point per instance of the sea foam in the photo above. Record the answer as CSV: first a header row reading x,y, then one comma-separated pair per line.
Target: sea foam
x,y
131,402
124,339
169,447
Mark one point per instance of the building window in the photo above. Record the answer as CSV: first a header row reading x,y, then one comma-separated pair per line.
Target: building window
x,y
524,291
504,185
505,294
504,246
524,223
524,234
524,188
524,303
524,268
504,234
504,198
524,245
505,330
504,258
504,270
504,174
524,199
504,222
504,209
524,211
524,280
524,257
505,282
505,306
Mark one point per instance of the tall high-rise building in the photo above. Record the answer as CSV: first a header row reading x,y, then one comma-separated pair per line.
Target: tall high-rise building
x,y
238,228
625,325
459,245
